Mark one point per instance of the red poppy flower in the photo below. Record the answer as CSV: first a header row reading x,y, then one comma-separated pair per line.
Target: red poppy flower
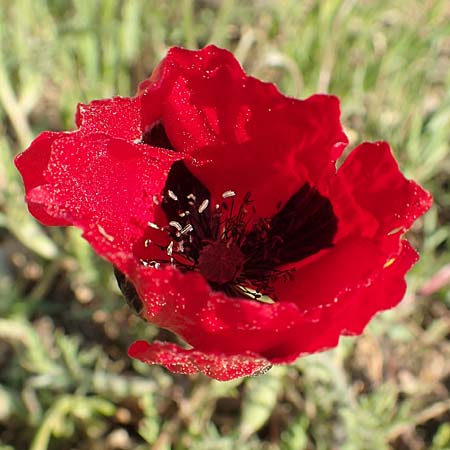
x,y
218,202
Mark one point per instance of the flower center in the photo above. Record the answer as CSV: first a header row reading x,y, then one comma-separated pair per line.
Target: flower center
x,y
217,241
220,262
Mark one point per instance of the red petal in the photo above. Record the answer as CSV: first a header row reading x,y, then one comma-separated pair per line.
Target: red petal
x,y
190,62
240,131
351,313
279,332
210,321
105,187
215,365
31,165
213,323
117,117
289,142
322,278
385,293
370,196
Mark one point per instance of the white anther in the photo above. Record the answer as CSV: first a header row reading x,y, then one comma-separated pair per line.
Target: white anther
x,y
172,195
176,225
191,197
203,206
227,194
155,200
187,229
153,225
147,242
170,248
147,263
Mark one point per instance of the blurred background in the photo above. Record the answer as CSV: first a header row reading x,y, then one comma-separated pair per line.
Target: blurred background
x,y
65,379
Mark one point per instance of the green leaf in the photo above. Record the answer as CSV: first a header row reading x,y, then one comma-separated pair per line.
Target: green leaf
x,y
260,398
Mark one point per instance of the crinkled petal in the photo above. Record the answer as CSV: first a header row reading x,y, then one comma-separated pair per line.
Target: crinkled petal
x,y
210,321
350,313
118,117
279,332
186,304
304,135
215,365
213,323
371,197
384,293
241,132
32,164
322,278
104,186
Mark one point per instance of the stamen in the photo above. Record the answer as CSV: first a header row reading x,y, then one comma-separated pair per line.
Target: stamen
x,y
176,225
172,195
152,264
155,200
203,206
170,248
187,229
227,194
147,242
153,225
191,197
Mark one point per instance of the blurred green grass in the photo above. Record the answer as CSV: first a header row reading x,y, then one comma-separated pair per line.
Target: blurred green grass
x,y
65,379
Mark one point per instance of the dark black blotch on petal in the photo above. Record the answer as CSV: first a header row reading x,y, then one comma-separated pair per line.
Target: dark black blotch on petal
x,y
156,136
129,292
304,226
